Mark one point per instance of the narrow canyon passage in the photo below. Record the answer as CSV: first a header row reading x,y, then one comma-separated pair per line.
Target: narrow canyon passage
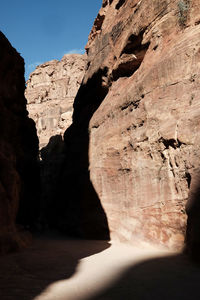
x,y
58,269
119,162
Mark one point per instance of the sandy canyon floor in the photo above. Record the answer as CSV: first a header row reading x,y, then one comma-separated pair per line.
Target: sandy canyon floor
x,y
58,269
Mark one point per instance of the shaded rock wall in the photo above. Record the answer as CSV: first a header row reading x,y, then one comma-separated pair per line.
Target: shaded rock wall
x,y
137,112
18,151
50,93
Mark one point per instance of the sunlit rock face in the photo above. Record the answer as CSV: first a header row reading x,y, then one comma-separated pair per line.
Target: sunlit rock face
x,y
50,93
18,151
137,113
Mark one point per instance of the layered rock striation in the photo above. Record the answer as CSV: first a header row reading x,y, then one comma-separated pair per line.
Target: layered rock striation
x,y
18,152
50,92
137,114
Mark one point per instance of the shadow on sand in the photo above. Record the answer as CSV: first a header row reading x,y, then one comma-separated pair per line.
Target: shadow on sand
x,y
52,258
171,277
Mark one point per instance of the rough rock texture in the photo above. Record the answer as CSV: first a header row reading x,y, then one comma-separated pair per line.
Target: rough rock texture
x,y
50,92
137,112
18,151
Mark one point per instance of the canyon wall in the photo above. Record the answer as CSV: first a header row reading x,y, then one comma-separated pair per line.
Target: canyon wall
x,y
137,114
50,93
18,152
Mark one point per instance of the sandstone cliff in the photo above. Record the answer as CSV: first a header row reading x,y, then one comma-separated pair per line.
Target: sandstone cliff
x,y
137,113
50,93
18,151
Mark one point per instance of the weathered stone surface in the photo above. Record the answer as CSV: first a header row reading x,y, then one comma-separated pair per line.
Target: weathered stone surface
x,y
18,150
137,112
50,92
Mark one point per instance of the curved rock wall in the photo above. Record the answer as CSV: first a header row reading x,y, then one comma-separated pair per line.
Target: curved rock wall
x,y
18,151
137,112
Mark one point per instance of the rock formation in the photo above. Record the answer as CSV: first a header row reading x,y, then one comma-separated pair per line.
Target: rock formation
x,y
18,152
137,113
50,93
130,159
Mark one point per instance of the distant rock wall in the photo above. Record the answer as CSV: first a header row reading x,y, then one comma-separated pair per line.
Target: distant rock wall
x,y
137,113
50,92
18,151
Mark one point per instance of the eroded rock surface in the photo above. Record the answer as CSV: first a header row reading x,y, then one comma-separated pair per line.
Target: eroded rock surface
x,y
50,92
137,112
18,152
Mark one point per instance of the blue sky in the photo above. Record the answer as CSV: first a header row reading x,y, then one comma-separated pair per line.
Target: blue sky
x,y
42,30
